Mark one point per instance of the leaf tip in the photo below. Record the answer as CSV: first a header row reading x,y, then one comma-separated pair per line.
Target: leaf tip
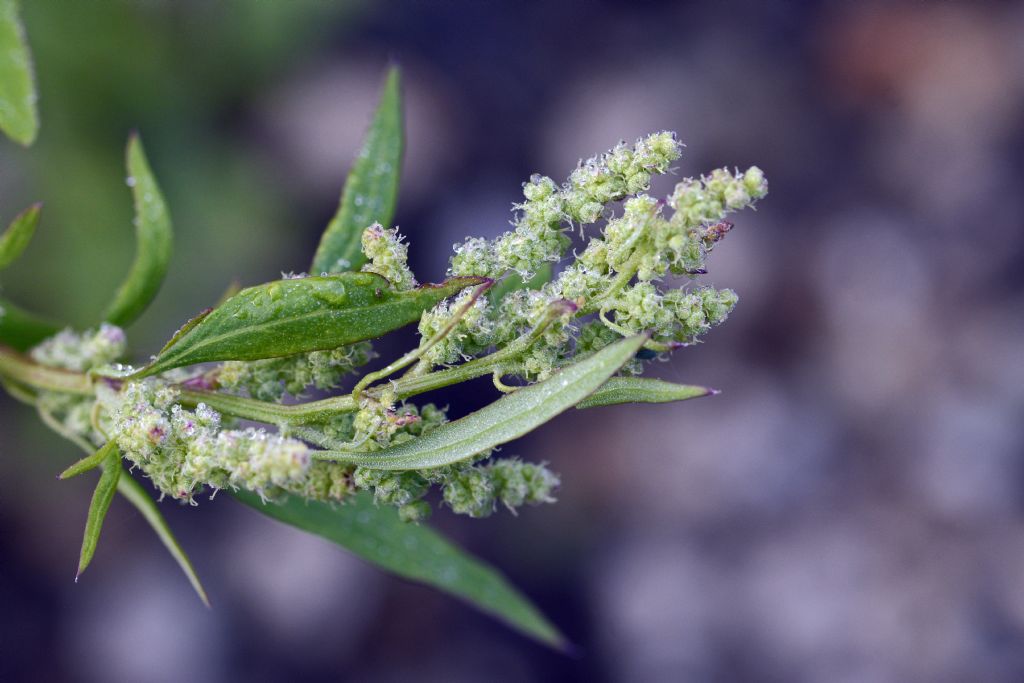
x,y
393,76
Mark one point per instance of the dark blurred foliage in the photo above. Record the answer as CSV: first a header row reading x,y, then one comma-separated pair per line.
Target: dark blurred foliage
x,y
849,509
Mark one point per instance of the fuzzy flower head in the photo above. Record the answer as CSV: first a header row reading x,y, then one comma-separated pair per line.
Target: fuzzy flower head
x,y
81,351
388,256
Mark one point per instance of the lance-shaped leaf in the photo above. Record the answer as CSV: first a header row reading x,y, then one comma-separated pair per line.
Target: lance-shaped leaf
x,y
22,330
642,390
18,234
287,317
414,552
89,462
101,499
18,116
154,240
371,190
134,493
506,419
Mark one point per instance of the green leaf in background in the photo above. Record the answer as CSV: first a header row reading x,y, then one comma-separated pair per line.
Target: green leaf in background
x,y
514,281
137,496
506,419
153,237
286,317
89,462
642,390
18,234
371,190
414,552
18,116
22,330
101,499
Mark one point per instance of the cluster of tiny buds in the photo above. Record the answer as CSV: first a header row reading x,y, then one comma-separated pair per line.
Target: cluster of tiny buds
x,y
182,451
617,274
271,379
81,351
388,256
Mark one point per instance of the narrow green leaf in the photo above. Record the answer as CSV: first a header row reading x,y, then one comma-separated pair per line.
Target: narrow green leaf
x,y
101,499
513,282
18,116
89,462
134,493
414,552
186,328
506,419
153,236
286,317
18,234
642,390
371,190
22,330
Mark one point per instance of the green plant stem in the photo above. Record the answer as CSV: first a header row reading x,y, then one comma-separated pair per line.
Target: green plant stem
x,y
418,352
23,370
621,280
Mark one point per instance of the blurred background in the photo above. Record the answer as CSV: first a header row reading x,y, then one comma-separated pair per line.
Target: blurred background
x,y
850,507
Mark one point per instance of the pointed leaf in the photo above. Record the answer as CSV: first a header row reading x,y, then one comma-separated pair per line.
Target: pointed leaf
x,y
506,419
414,552
89,462
18,116
153,237
186,328
642,390
18,234
371,190
134,493
287,317
22,330
101,499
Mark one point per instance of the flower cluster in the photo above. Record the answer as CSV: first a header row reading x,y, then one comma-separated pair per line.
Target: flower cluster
x,y
472,488
78,352
388,256
272,378
81,351
618,275
468,489
182,451
538,235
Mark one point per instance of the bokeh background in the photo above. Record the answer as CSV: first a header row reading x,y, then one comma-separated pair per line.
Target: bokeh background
x,y
849,508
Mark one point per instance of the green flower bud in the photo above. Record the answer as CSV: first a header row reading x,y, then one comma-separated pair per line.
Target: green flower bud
x,y
470,491
540,483
388,256
415,513
754,182
470,335
270,379
326,481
